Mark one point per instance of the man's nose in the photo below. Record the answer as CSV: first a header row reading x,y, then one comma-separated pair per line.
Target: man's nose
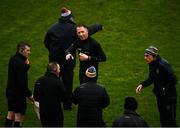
x,y
80,34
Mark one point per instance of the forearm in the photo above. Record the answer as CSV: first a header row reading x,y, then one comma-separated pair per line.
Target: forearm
x,y
146,82
72,48
94,28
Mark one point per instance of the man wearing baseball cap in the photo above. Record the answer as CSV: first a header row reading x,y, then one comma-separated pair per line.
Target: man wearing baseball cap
x,y
91,99
164,79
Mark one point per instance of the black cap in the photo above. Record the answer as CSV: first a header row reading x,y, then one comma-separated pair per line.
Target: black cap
x,y
130,103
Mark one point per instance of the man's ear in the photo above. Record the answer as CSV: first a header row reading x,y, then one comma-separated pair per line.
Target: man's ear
x,y
21,50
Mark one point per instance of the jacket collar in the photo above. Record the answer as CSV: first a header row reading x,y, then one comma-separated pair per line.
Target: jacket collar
x,y
131,112
155,62
66,21
21,56
49,74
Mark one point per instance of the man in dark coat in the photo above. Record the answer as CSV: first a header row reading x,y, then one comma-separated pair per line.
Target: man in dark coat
x,y
57,40
91,99
164,79
49,91
130,118
90,52
17,85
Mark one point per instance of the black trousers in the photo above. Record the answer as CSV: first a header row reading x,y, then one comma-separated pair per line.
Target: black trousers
x,y
167,110
67,74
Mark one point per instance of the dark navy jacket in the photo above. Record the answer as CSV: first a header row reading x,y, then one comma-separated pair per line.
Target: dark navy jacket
x,y
58,38
130,119
163,77
91,99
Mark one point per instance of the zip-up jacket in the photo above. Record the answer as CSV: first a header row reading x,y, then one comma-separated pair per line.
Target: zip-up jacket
x,y
163,77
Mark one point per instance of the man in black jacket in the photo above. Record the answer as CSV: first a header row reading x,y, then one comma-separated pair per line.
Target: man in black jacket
x,y
91,99
17,85
49,91
130,118
164,79
58,39
90,52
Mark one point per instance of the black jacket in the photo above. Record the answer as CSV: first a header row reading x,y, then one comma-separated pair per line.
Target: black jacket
x,y
91,99
50,92
163,77
17,84
130,119
91,48
59,38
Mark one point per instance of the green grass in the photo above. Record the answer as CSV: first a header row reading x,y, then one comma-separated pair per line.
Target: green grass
x,y
130,26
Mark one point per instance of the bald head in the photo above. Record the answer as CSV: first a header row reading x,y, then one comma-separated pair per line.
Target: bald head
x,y
54,67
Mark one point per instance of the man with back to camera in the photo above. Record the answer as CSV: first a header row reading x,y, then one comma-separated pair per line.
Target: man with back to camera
x,y
90,52
91,98
58,38
164,79
49,91
130,117
17,85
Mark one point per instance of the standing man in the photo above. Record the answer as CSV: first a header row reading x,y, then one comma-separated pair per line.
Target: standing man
x,y
58,38
130,117
164,79
49,91
91,99
90,52
17,85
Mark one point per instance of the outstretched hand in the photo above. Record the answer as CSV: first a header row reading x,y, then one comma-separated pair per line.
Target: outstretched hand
x,y
139,89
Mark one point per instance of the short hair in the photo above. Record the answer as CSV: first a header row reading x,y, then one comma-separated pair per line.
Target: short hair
x,y
82,25
130,103
52,66
22,45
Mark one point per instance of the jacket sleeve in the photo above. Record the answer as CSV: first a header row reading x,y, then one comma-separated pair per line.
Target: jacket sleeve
x,y
100,55
36,91
106,99
63,94
22,78
75,98
148,81
72,48
94,28
27,90
47,41
169,75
